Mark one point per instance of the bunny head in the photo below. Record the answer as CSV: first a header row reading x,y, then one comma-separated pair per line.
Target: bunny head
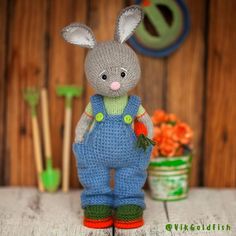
x,y
112,67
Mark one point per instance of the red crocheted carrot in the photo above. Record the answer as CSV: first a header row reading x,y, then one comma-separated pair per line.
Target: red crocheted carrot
x,y
140,128
141,132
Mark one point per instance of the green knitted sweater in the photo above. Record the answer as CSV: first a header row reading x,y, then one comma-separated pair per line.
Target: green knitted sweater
x,y
114,106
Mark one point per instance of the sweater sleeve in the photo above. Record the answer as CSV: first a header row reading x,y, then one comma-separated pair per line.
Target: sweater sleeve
x,y
141,111
89,110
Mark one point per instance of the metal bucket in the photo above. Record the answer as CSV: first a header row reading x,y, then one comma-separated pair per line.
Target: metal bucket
x,y
168,177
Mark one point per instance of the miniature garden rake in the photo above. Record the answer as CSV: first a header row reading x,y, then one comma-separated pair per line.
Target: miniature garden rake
x,y
69,92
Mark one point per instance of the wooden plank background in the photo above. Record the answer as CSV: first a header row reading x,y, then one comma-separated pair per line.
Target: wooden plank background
x,y
3,16
220,148
197,82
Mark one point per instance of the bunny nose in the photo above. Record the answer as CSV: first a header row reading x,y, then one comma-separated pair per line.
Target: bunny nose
x,y
115,85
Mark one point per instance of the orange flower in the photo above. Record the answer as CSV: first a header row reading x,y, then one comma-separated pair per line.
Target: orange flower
x,y
172,118
155,151
182,133
168,146
179,151
166,130
158,117
156,131
170,134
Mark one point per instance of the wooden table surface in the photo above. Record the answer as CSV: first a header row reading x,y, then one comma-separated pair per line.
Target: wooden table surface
x,y
25,211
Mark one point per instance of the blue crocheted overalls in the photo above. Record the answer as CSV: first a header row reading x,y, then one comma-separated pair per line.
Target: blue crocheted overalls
x,y
112,145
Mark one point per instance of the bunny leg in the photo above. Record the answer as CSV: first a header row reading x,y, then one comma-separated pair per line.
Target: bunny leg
x,y
129,197
128,186
96,183
97,198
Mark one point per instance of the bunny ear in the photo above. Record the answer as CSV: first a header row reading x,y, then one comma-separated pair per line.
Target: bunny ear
x,y
79,34
127,22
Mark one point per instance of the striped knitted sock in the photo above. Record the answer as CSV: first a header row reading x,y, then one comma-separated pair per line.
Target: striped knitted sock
x,y
128,217
98,216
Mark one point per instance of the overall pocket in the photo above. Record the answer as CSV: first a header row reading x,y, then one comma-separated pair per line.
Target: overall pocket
x,y
144,158
79,150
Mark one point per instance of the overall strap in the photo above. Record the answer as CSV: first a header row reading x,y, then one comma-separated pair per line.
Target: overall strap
x,y
98,107
131,109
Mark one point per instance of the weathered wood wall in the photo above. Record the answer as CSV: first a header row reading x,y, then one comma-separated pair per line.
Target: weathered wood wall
x,y
197,82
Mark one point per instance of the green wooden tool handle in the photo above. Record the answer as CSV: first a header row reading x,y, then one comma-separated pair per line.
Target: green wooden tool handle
x,y
46,128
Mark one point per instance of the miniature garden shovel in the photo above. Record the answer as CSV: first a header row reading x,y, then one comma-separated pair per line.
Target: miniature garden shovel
x,y
68,92
50,176
31,96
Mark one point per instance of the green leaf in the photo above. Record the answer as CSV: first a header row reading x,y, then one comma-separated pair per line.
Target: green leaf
x,y
144,142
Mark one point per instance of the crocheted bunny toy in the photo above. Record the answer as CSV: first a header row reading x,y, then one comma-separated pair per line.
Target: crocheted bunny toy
x,y
105,138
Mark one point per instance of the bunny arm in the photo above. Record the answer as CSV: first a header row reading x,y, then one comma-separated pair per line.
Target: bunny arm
x,y
82,127
146,120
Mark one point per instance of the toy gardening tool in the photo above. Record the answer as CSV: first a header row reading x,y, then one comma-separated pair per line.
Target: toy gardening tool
x,y
50,176
68,92
31,96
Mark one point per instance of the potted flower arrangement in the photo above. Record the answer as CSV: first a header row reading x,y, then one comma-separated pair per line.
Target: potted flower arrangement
x,y
171,157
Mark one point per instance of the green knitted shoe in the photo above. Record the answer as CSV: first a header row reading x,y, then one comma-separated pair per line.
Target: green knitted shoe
x,y
98,216
97,212
128,217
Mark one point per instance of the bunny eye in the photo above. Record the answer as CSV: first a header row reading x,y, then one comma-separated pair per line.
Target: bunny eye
x,y
104,76
122,74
